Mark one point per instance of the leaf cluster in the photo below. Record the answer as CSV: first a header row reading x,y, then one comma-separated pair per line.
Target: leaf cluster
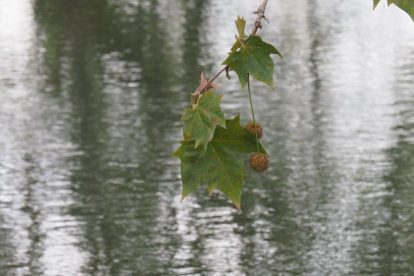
x,y
212,147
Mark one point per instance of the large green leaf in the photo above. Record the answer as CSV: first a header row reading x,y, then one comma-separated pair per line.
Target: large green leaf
x,y
219,166
406,5
202,118
254,59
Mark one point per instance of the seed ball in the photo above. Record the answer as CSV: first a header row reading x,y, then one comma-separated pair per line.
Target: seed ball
x,y
259,162
250,128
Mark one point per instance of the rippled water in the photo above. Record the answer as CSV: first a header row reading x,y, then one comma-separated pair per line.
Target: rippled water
x,y
91,95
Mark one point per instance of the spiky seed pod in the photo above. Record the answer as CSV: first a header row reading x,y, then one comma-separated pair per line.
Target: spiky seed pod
x,y
259,162
250,128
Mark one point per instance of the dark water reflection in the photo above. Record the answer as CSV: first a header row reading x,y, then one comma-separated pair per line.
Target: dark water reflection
x,y
91,93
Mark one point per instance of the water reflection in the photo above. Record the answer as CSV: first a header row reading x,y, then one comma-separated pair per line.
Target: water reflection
x,y
89,113
396,244
117,141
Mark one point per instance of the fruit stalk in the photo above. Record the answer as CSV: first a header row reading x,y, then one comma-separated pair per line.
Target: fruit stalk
x,y
252,109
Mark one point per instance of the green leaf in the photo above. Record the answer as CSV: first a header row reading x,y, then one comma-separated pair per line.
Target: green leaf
x,y
241,26
219,165
406,5
202,118
254,59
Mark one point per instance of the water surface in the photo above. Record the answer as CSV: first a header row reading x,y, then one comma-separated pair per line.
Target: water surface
x,y
91,95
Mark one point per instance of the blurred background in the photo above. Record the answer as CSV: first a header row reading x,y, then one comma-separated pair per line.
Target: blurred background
x,y
91,95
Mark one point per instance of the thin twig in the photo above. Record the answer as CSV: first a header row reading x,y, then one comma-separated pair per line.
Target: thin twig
x,y
210,81
257,25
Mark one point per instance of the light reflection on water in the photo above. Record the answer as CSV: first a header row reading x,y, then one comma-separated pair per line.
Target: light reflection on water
x,y
91,93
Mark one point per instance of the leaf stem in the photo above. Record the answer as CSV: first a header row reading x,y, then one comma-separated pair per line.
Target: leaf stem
x,y
252,109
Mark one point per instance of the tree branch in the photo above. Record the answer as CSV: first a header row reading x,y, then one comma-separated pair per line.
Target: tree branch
x,y
260,15
257,25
